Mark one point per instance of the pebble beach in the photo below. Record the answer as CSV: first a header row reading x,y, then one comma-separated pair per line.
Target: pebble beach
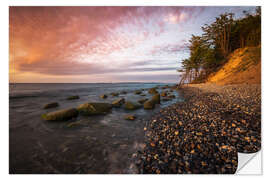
x,y
203,134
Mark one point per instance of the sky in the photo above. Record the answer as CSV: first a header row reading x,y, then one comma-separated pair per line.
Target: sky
x,y
104,44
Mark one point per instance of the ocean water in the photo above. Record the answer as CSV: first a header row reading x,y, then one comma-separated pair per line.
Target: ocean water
x,y
97,144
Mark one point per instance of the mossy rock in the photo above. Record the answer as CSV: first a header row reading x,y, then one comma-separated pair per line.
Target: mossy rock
x,y
141,101
129,105
61,115
138,92
51,105
103,96
118,102
142,95
130,117
156,99
94,108
73,97
150,104
115,94
152,91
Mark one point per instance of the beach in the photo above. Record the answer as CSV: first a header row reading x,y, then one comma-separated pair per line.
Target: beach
x,y
204,133
94,144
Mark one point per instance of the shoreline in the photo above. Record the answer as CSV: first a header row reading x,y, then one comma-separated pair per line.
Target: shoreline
x,y
204,133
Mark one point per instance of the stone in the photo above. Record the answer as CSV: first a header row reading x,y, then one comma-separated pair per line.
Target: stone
x,y
73,97
114,94
61,115
94,108
51,105
129,105
103,96
138,92
156,99
141,101
166,99
163,94
118,102
150,104
171,96
152,91
130,117
123,92
73,124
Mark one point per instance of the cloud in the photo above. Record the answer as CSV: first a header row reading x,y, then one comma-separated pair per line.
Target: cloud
x,y
85,40
60,41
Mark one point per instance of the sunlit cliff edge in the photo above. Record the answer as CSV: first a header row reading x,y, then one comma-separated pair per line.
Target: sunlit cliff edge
x,y
243,67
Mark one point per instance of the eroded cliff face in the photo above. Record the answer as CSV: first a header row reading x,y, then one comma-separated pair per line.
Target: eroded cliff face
x,y
243,66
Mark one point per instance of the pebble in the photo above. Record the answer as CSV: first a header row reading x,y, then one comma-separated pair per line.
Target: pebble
x,y
203,134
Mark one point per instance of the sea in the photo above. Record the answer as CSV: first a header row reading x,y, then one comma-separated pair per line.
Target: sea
x,y
101,144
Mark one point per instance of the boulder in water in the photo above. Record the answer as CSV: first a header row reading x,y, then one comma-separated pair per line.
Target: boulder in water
x,y
114,94
138,92
61,115
51,105
118,102
163,94
156,99
171,96
103,96
150,104
123,92
141,101
152,91
166,99
73,97
94,108
132,105
130,117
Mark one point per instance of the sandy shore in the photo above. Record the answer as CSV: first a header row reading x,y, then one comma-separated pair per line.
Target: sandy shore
x,y
204,133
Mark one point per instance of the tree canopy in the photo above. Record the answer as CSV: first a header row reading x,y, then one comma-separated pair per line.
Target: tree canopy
x,y
210,50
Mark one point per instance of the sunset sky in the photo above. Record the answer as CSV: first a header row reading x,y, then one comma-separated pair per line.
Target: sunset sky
x,y
104,44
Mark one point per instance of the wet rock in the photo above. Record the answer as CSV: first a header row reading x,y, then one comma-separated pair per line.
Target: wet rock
x,y
74,124
61,115
103,96
138,92
129,105
171,96
141,101
163,94
130,117
94,108
150,104
51,105
156,99
166,99
118,102
115,94
123,92
73,97
152,91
